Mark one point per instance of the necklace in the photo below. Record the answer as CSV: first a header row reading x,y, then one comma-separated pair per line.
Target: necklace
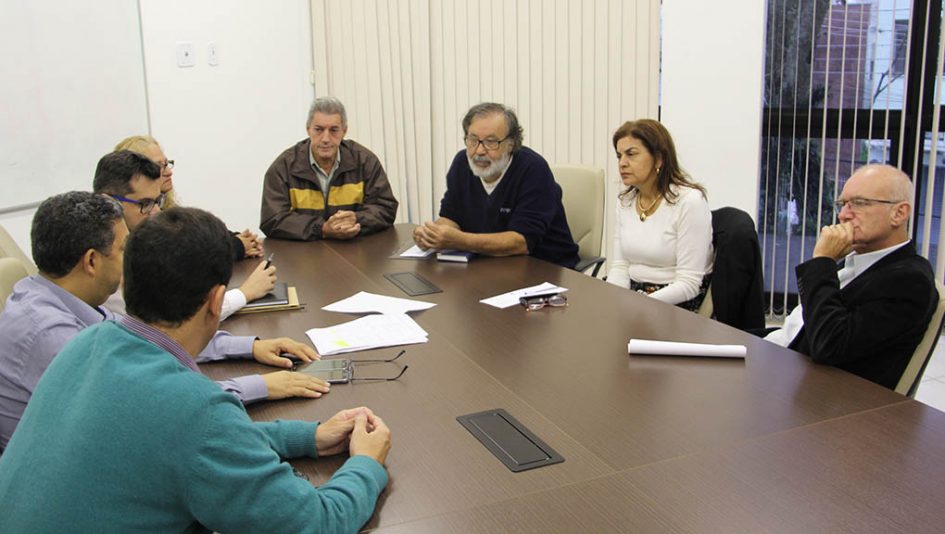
x,y
647,211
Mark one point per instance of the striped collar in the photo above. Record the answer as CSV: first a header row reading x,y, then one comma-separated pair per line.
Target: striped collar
x,y
156,337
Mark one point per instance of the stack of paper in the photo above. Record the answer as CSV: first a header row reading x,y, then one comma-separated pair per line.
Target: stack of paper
x,y
369,332
364,302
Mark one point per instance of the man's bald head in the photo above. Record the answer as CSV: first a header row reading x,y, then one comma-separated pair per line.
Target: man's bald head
x,y
878,204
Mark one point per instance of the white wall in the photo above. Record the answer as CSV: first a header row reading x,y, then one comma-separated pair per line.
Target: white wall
x,y
224,125
17,224
71,83
713,61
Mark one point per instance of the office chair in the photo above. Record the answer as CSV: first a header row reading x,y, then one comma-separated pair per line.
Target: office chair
x,y
9,249
909,382
583,198
12,271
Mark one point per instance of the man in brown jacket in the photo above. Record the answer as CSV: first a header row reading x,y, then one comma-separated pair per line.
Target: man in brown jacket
x,y
326,186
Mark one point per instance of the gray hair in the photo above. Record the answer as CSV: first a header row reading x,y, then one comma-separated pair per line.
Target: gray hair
x,y
328,105
485,109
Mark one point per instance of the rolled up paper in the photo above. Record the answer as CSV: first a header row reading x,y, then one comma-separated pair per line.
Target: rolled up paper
x,y
674,348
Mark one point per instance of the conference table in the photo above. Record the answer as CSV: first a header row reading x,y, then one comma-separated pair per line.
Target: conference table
x,y
651,443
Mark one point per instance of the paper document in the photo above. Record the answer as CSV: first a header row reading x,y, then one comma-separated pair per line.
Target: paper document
x,y
369,332
416,252
673,348
509,299
365,302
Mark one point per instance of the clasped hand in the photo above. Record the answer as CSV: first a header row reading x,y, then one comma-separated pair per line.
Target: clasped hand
x,y
835,241
435,236
357,429
252,247
341,225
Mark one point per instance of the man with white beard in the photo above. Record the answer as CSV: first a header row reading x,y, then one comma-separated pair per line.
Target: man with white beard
x,y
501,198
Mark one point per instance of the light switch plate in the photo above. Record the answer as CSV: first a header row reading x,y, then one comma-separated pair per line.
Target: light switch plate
x,y
185,54
213,54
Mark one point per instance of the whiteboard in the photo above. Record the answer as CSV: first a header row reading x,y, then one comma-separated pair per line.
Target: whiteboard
x,y
71,86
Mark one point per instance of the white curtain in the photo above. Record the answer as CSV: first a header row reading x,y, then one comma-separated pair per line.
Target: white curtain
x,y
408,70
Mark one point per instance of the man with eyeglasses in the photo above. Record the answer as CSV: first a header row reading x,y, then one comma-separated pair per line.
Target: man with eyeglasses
x,y
326,186
124,434
78,242
869,316
134,181
501,198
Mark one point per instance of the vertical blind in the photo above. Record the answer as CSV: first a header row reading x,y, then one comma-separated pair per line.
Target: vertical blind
x,y
407,71
846,83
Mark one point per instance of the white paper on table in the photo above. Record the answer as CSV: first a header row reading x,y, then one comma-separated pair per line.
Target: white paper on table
x,y
673,348
506,300
364,302
369,332
416,252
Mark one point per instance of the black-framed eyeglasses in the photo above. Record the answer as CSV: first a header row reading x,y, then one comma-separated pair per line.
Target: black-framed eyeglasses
x,y
297,363
473,142
399,354
539,302
145,205
381,379
348,368
859,203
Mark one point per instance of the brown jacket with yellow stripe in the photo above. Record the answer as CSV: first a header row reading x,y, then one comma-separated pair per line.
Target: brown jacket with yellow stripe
x,y
295,207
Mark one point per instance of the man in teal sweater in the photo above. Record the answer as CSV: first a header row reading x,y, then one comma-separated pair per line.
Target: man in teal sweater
x,y
124,434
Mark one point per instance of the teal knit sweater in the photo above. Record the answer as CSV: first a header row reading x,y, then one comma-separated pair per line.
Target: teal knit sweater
x,y
119,436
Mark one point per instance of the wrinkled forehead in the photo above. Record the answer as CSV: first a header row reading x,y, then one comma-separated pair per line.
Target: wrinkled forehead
x,y
491,125
867,183
326,120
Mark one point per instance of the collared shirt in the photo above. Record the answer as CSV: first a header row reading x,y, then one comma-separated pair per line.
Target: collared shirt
x,y
40,318
853,265
324,179
160,339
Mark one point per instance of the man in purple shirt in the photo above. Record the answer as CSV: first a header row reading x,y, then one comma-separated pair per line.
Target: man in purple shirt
x,y
78,242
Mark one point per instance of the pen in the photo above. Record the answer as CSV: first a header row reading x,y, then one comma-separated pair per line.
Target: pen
x,y
269,261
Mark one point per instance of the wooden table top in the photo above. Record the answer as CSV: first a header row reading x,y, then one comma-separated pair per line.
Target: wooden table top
x,y
772,442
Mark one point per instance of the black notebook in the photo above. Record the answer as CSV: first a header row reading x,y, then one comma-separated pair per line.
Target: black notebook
x,y
279,296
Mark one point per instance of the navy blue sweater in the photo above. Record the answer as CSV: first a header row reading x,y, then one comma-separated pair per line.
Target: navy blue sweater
x,y
527,201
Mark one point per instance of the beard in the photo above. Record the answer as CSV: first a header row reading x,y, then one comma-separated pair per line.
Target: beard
x,y
494,169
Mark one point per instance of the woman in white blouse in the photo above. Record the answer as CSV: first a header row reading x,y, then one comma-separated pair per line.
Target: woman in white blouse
x,y
663,243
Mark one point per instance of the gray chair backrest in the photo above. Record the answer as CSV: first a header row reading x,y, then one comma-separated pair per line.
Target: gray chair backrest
x,y
9,249
909,382
583,198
